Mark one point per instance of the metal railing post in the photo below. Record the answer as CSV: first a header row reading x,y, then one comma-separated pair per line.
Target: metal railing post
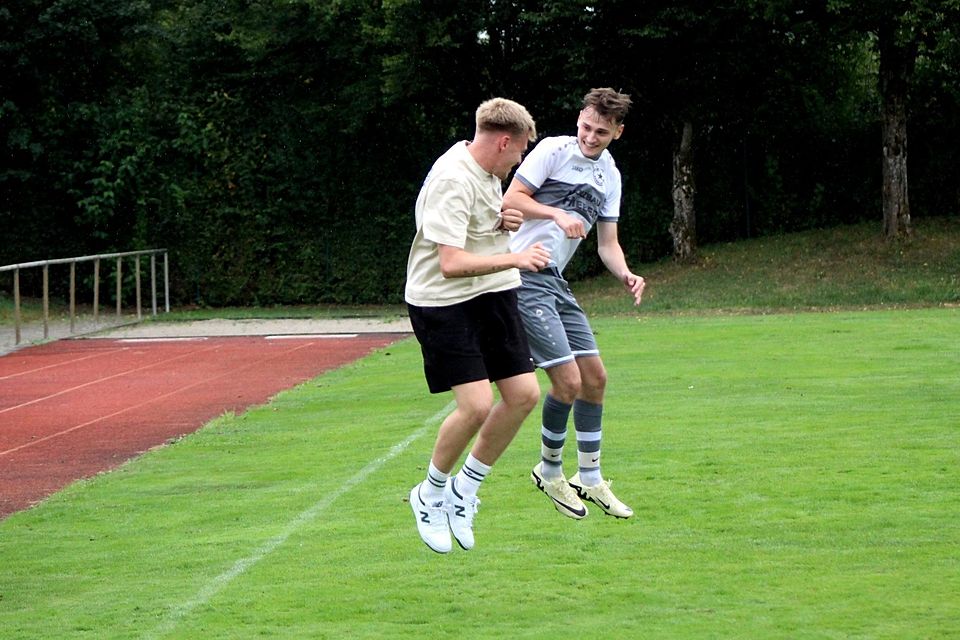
x,y
119,278
46,301
136,260
153,281
16,304
73,296
96,291
166,281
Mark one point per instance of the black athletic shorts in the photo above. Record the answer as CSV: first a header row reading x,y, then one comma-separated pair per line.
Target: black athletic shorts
x,y
480,339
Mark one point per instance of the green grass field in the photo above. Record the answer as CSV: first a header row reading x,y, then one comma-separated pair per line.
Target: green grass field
x,y
793,476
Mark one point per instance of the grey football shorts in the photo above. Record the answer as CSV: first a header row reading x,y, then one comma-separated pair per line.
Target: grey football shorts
x,y
557,328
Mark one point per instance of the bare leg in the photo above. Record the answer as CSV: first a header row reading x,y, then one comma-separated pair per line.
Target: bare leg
x,y
593,379
584,378
565,381
474,402
519,395
496,425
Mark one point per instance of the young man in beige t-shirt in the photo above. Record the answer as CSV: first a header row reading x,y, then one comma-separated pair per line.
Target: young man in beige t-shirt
x,y
461,295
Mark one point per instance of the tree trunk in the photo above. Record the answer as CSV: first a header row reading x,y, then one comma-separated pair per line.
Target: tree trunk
x,y
683,228
896,69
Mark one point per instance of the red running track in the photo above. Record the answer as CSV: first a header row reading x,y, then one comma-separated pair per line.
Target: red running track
x,y
73,408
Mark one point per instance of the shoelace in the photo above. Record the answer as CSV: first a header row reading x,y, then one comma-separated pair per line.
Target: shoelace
x,y
568,493
436,514
472,508
603,492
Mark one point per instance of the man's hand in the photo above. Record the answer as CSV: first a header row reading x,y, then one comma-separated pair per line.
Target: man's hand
x,y
533,258
572,225
635,285
510,220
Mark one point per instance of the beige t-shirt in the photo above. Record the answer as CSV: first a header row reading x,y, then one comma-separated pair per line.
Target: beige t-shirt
x,y
458,206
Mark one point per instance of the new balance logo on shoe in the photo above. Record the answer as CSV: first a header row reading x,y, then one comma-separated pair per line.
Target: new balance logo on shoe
x,y
460,511
431,522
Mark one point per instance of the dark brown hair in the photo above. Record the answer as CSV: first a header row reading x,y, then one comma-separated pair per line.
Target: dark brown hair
x,y
608,103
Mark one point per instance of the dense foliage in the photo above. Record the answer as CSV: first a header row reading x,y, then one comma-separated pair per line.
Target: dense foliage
x,y
276,147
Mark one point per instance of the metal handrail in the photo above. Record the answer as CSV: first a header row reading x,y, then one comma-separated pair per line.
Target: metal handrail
x,y
45,264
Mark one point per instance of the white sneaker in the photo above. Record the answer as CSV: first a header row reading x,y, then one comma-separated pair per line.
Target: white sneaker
x,y
564,497
431,522
460,512
601,496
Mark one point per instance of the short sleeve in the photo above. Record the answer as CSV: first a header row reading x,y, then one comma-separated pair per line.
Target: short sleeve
x,y
540,163
446,213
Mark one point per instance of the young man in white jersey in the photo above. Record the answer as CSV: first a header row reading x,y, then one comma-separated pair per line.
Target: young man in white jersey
x,y
564,187
461,293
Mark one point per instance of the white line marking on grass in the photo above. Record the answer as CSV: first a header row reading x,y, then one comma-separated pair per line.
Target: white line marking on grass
x,y
212,588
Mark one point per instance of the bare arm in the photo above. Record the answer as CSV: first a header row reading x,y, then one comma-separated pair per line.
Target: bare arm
x,y
611,253
520,197
457,263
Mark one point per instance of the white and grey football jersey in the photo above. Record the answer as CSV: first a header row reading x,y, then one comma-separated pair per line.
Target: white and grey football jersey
x,y
559,175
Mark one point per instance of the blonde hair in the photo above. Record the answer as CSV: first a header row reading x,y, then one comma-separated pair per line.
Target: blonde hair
x,y
500,114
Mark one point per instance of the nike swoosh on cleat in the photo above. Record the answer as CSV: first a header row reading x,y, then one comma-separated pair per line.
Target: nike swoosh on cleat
x,y
586,496
600,502
580,512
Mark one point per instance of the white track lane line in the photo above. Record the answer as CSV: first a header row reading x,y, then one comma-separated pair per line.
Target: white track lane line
x,y
104,379
232,372
182,339
302,336
60,364
212,588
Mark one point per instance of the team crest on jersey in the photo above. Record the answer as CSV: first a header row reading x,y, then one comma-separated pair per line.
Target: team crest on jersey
x,y
598,176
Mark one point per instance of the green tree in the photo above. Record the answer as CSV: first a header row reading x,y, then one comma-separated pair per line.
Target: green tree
x,y
901,31
66,65
281,153
710,78
276,147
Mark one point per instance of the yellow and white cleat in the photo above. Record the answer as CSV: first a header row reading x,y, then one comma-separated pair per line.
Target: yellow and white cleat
x,y
601,496
564,498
